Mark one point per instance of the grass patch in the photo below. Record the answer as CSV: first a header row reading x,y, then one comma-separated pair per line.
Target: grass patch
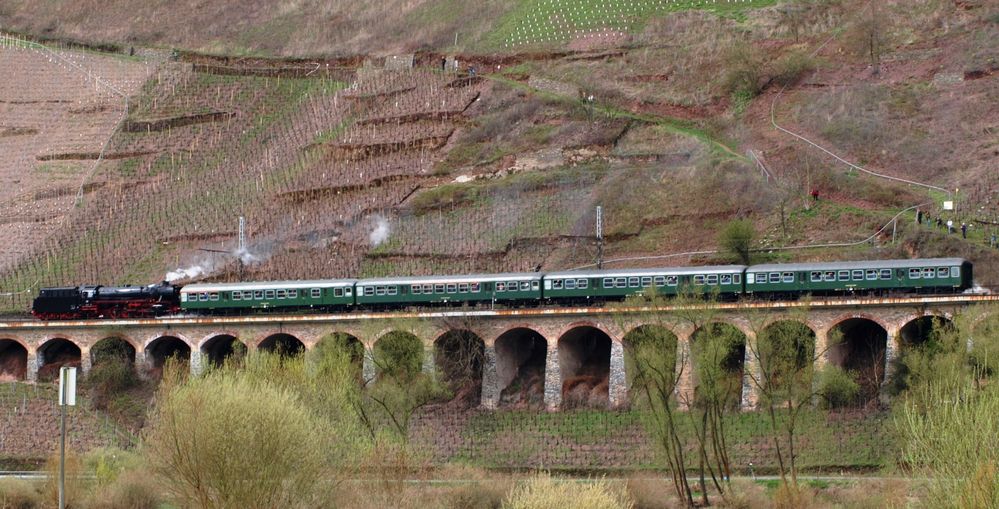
x,y
539,22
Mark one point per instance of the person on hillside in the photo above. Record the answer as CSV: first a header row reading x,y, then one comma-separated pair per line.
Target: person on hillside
x,y
964,230
443,64
815,195
950,226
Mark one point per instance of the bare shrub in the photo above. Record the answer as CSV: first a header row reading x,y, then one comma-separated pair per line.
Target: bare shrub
x,y
18,494
544,492
134,489
746,494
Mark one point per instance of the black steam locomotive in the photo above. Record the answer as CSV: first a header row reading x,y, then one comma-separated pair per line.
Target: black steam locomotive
x,y
78,302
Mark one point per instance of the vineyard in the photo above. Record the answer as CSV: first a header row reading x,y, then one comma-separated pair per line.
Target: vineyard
x,y
126,168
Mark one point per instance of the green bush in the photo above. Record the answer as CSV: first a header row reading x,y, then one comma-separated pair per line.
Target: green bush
x,y
836,386
225,440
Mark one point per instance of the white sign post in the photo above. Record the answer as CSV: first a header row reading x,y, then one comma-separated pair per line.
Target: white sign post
x,y
67,397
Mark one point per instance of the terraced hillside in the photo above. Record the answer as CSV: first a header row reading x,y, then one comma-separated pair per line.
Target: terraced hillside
x,y
371,166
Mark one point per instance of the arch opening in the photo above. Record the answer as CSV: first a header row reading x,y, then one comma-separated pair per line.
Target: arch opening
x,y
339,342
166,347
112,349
718,353
458,355
584,358
13,361
924,330
282,344
650,362
220,348
398,354
859,346
786,351
920,338
56,353
521,354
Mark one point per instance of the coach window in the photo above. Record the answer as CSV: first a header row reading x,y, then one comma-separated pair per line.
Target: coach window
x,y
557,284
829,275
646,281
943,272
913,273
844,275
369,291
712,279
737,279
858,275
452,288
815,276
726,279
884,274
338,292
672,280
379,290
633,282
393,290
203,297
439,288
525,286
428,289
213,296
699,279
872,274
955,272
292,294
621,282
415,289
660,280
462,287
281,294
608,282
501,287
316,293
582,284
570,284
268,294
928,273
535,285
475,287
237,296
775,277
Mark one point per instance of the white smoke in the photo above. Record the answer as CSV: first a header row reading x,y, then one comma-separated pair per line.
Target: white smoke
x,y
381,232
207,265
194,271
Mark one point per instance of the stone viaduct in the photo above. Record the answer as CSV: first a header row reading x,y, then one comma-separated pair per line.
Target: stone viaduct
x,y
550,347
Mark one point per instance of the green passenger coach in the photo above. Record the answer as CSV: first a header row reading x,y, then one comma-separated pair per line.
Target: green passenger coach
x,y
524,286
235,297
617,284
918,275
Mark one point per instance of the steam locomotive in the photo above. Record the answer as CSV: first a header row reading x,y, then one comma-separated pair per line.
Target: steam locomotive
x,y
768,281
76,302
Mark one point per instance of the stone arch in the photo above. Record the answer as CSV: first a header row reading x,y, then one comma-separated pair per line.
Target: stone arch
x,y
167,346
13,360
282,343
584,359
859,344
722,345
56,353
659,346
217,348
398,353
521,355
112,348
459,355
